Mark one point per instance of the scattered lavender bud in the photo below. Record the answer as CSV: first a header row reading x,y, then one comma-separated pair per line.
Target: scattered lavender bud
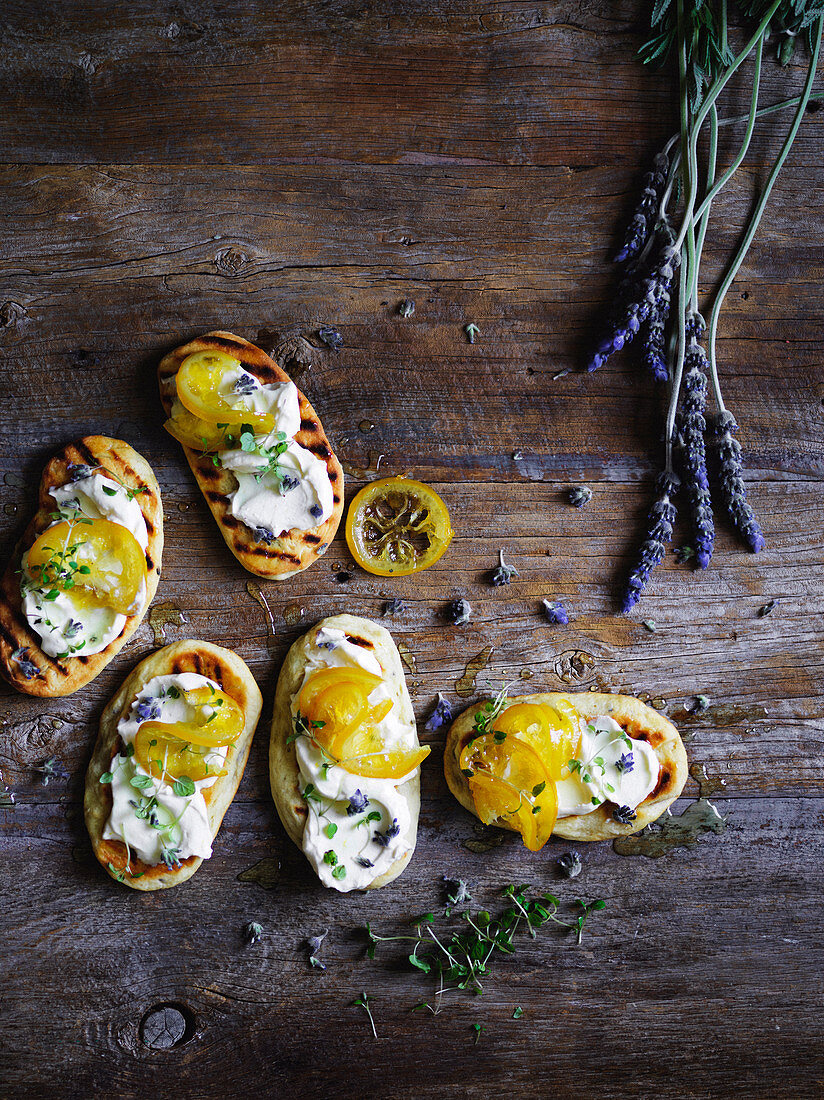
x,y
288,483
394,606
78,470
389,834
555,612
314,942
731,480
72,628
362,861
263,534
148,710
315,963
357,803
517,456
502,573
406,308
579,495
246,385
646,212
253,932
624,815
316,511
768,608
692,451
569,864
625,763
458,611
27,667
700,703
52,768
659,533
330,336
441,714
457,892
471,331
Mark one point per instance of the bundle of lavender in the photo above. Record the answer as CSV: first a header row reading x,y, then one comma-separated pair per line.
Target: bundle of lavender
x,y
663,318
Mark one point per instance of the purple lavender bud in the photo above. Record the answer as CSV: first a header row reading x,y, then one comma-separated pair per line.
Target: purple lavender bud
x,y
555,612
692,451
639,297
659,533
441,714
28,669
646,212
731,481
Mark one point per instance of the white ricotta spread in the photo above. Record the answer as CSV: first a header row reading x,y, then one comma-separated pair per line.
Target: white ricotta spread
x,y
356,827
157,824
65,626
613,768
275,493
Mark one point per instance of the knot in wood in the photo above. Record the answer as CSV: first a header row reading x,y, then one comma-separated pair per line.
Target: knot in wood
x,y
11,314
166,1026
231,261
574,666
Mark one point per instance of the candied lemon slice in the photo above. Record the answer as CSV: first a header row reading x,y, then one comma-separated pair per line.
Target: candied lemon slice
x,y
508,779
168,757
550,729
99,560
201,390
193,432
386,765
396,526
336,701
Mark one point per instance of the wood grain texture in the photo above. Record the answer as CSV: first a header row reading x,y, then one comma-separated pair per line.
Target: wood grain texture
x,y
167,168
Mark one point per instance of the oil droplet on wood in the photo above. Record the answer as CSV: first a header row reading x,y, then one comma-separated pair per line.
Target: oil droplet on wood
x,y
256,594
658,703
526,674
366,426
676,832
488,837
707,784
10,509
465,686
184,506
16,481
293,613
161,616
363,473
408,657
265,873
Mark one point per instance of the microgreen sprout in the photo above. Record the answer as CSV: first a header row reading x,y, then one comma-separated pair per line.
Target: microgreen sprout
x,y
471,331
253,931
364,1003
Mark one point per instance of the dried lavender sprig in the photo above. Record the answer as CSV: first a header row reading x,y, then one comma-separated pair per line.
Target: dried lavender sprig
x,y
654,343
731,481
659,533
692,451
646,296
640,226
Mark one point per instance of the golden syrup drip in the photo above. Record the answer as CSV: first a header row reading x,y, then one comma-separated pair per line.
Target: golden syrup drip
x,y
161,616
465,686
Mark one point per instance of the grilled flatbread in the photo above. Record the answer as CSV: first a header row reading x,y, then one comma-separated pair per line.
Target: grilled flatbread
x,y
296,550
284,776
55,677
232,675
634,717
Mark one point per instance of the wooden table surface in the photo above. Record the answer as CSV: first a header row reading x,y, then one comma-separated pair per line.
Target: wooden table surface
x,y
171,167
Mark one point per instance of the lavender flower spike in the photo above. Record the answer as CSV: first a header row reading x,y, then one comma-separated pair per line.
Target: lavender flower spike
x,y
645,296
654,343
659,533
733,491
643,219
693,455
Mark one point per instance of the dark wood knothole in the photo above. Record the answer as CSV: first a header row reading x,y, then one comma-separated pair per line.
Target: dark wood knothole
x,y
166,1026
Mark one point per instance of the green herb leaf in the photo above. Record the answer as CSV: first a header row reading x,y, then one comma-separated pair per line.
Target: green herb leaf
x,y
330,829
107,777
183,786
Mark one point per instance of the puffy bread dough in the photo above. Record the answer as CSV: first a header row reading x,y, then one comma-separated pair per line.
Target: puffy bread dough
x,y
57,677
233,676
284,776
634,717
296,550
